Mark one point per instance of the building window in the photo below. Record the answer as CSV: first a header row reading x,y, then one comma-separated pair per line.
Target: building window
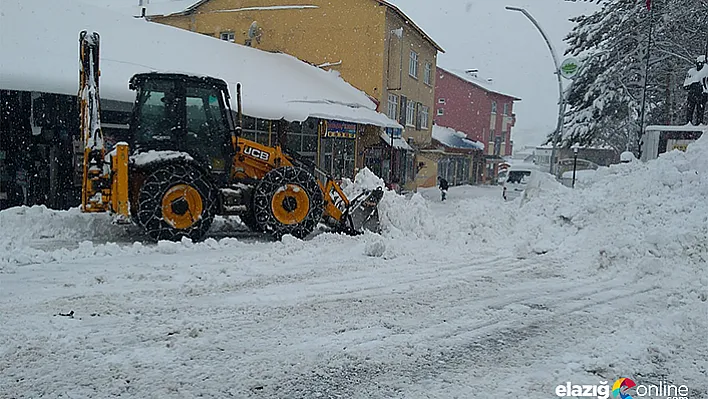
x,y
410,113
393,107
428,73
413,65
227,36
441,111
506,109
494,107
441,101
424,117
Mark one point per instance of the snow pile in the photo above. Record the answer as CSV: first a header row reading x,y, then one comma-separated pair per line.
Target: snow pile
x,y
473,224
23,225
365,180
26,231
633,210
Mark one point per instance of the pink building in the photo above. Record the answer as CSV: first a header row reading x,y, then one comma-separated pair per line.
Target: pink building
x,y
467,103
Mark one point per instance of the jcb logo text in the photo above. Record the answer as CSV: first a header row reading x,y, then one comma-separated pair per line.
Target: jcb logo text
x,y
256,153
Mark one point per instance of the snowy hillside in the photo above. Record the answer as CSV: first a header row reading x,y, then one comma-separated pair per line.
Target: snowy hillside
x,y
469,298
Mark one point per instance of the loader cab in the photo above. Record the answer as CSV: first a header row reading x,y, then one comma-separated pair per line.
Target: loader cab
x,y
175,112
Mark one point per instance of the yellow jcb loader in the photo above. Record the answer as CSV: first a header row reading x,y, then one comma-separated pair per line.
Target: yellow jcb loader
x,y
185,162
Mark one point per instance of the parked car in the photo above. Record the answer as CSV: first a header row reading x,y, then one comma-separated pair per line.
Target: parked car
x,y
516,180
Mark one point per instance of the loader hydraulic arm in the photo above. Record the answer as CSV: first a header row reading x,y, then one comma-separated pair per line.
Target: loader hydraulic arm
x,y
105,176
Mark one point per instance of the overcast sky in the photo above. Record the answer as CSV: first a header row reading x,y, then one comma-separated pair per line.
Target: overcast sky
x,y
504,46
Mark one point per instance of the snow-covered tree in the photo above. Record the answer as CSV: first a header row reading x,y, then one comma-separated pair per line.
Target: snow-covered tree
x,y
604,103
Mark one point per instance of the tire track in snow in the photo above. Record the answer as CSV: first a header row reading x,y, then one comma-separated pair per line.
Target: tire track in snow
x,y
481,346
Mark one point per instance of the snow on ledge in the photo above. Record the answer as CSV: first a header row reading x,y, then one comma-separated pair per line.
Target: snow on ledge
x,y
152,156
684,128
271,8
454,139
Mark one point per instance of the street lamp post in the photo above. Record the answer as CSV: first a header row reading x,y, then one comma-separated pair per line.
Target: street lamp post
x,y
576,147
561,97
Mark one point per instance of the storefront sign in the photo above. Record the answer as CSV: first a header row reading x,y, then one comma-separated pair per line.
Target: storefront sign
x,y
341,130
677,144
395,133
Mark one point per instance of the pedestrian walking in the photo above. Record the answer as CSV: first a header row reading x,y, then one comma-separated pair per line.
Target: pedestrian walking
x,y
442,184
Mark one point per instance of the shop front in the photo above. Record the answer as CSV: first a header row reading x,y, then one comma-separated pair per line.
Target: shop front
x,y
338,148
456,169
391,158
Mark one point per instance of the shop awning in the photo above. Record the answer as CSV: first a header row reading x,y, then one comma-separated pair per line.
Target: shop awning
x,y
399,143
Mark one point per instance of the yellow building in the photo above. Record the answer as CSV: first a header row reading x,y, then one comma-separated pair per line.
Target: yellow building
x,y
373,44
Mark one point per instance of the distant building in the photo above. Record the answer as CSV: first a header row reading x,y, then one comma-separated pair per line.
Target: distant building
x,y
542,157
525,154
374,45
470,104
452,156
588,158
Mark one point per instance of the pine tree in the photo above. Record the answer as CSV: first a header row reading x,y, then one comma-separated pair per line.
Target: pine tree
x,y
606,98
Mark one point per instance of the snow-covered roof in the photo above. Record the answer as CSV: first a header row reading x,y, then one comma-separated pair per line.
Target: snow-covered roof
x,y
680,128
397,142
485,85
275,86
454,139
181,7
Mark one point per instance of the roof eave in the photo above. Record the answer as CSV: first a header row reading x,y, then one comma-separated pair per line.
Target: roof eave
x,y
184,12
514,98
413,24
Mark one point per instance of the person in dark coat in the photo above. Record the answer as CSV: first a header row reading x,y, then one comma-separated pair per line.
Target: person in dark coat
x,y
442,184
697,97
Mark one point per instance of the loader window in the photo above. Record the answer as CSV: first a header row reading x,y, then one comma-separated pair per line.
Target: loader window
x,y
207,131
204,116
157,113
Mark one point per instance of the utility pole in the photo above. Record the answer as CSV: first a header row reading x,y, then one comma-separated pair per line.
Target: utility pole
x,y
646,78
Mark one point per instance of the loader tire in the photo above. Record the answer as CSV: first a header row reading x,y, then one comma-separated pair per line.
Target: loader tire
x,y
288,201
176,201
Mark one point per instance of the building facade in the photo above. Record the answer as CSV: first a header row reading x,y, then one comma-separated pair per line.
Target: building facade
x,y
469,104
371,43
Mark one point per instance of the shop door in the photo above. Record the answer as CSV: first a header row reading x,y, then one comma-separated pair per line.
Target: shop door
x,y
338,156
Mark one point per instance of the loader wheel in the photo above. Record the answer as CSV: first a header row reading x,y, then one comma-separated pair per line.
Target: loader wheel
x,y
176,201
288,201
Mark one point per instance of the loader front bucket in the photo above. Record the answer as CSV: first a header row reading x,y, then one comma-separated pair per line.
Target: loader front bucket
x,y
362,213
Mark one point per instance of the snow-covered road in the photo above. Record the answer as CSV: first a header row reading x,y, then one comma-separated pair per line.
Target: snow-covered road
x,y
471,298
